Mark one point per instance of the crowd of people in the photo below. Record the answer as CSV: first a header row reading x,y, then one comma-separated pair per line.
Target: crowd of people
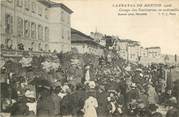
x,y
72,85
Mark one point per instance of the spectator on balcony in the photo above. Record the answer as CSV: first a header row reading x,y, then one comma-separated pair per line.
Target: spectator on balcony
x,y
20,46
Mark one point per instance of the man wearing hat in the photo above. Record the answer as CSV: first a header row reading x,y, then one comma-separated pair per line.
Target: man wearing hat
x,y
45,105
133,93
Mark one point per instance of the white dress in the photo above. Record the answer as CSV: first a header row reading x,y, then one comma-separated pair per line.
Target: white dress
x,y
87,76
90,107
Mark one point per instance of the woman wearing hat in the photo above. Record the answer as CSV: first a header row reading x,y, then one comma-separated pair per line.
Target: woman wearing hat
x,y
90,105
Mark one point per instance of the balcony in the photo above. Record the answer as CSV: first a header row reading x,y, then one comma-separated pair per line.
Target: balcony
x,y
19,53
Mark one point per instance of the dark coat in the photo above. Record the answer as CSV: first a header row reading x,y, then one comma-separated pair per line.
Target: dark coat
x,y
20,109
133,94
102,109
56,100
156,114
46,107
173,113
78,99
66,105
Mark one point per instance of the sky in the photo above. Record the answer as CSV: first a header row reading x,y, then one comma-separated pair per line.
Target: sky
x,y
151,30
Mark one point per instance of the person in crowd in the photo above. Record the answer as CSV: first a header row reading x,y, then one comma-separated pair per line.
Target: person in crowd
x,y
133,94
56,100
20,109
79,97
86,74
173,109
132,108
153,111
142,110
152,95
111,104
67,105
45,105
31,102
90,106
102,101
175,91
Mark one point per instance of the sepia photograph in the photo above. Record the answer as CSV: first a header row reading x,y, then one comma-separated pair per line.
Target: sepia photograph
x,y
89,58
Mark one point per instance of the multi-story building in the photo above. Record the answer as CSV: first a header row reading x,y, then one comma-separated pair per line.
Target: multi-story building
x,y
35,25
129,50
153,51
123,49
143,52
85,44
151,55
134,52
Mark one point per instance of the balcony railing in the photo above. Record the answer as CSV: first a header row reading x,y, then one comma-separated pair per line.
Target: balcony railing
x,y
19,53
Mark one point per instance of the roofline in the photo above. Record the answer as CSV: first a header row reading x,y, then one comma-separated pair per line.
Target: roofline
x,y
91,40
128,40
88,42
153,47
54,4
77,31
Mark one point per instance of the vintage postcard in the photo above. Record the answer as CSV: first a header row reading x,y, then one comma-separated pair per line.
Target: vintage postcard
x,y
89,58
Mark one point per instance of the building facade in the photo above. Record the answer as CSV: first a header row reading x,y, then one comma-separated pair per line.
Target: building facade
x,y
134,52
153,52
129,50
35,25
151,55
143,52
85,44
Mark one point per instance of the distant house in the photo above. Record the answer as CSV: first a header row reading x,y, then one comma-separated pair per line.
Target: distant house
x,y
83,43
153,51
129,49
151,55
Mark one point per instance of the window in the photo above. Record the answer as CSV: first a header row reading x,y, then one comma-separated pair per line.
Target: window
x,y
39,11
19,27
32,46
68,19
40,32
27,4
39,47
19,3
8,23
69,35
62,16
46,13
33,30
62,33
26,28
46,47
46,33
8,43
33,7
